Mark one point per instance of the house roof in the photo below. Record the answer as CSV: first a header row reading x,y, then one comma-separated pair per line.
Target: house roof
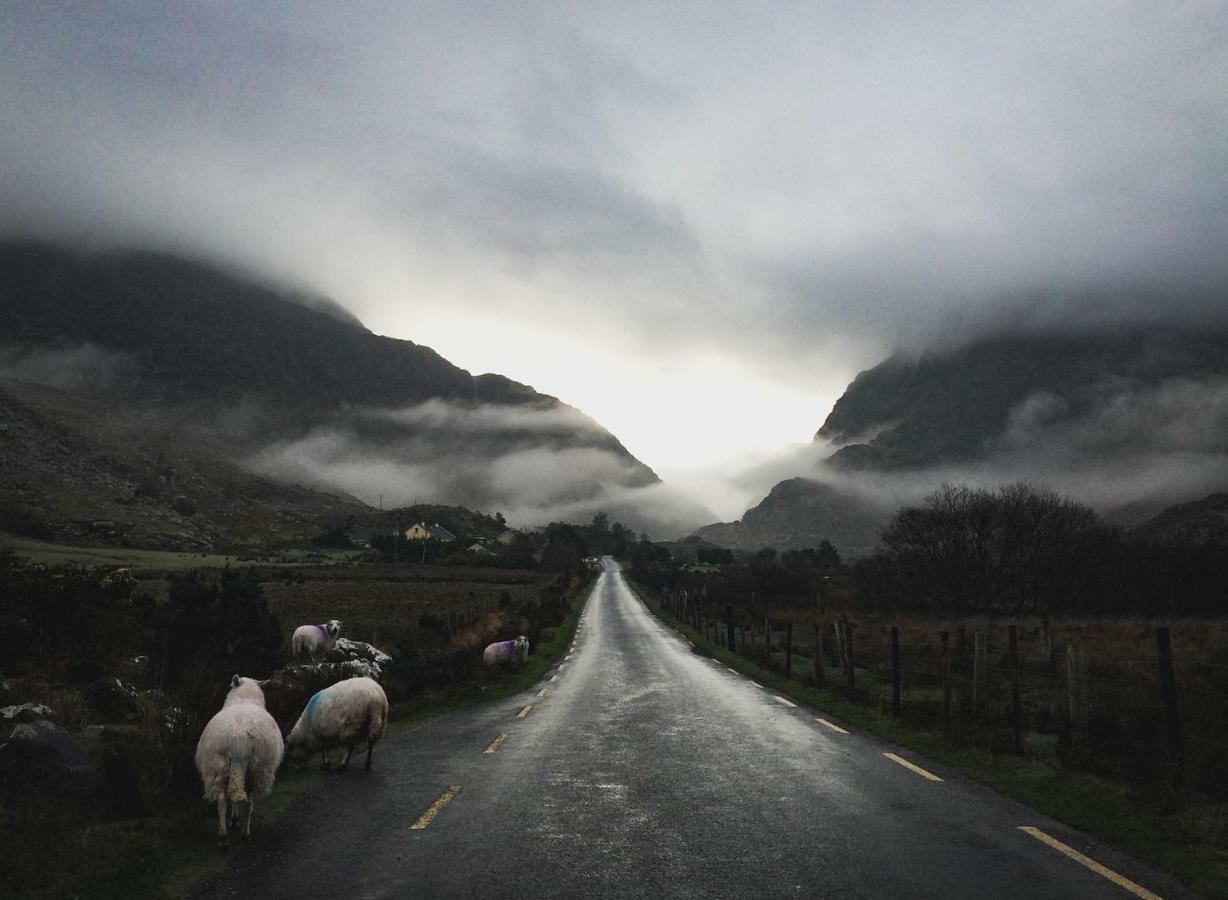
x,y
441,534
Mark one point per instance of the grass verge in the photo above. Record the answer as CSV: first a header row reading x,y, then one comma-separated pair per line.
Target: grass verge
x,y
1183,835
171,856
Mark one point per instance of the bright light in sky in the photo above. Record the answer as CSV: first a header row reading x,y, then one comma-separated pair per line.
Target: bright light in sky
x,y
676,415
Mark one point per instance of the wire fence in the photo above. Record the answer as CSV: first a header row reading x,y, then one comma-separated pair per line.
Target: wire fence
x,y
1143,702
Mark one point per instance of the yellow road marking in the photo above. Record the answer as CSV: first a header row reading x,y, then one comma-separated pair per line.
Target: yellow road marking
x,y
524,712
496,744
542,692
836,728
732,669
1119,880
755,683
782,701
444,799
553,679
912,768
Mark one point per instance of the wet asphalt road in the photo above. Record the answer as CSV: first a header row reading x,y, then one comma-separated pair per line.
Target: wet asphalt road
x,y
647,770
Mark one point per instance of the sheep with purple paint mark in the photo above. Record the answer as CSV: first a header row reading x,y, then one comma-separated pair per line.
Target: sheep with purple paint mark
x,y
315,641
342,715
238,755
504,652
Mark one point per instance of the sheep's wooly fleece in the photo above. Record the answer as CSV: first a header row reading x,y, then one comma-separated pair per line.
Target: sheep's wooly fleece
x,y
500,651
340,707
242,733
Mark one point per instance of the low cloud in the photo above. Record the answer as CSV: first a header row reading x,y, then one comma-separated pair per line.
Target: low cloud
x,y
517,461
83,367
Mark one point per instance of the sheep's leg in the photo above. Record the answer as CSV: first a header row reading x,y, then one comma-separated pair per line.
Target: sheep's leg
x,y
324,758
222,838
247,824
349,751
370,750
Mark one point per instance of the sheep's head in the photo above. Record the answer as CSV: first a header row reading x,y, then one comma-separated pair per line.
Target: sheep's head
x,y
297,750
242,688
333,628
522,644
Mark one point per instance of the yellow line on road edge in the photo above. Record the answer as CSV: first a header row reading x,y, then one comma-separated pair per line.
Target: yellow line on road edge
x,y
836,728
783,702
912,768
553,679
524,712
425,819
755,683
496,744
1119,880
542,692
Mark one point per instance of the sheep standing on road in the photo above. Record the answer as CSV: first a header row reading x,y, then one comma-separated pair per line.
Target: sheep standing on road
x,y
503,652
350,711
238,755
315,640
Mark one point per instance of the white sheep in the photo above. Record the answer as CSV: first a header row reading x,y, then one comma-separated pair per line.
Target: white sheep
x,y
502,652
238,754
342,715
315,640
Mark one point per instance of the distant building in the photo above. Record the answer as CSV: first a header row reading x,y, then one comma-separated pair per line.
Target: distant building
x,y
420,531
417,532
508,537
477,548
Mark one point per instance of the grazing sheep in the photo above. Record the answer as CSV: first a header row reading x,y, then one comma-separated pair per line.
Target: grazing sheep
x,y
340,716
502,652
315,640
238,754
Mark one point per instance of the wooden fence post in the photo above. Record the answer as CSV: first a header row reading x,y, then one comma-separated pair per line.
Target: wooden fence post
x,y
979,674
819,678
1077,695
789,649
1016,702
895,670
838,629
1172,713
733,641
849,663
945,666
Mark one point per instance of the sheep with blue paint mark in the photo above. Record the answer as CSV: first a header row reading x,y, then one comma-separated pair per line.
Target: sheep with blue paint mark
x,y
238,755
315,641
504,652
343,715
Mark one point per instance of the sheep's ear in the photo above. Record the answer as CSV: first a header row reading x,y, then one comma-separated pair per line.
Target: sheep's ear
x,y
263,683
234,682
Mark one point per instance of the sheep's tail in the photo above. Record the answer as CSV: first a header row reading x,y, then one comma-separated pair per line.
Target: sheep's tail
x,y
375,724
226,778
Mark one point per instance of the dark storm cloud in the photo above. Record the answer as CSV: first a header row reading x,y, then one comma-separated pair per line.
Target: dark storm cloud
x,y
801,186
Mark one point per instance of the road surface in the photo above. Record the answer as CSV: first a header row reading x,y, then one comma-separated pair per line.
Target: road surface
x,y
641,769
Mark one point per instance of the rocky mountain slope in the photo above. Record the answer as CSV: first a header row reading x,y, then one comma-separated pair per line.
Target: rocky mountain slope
x,y
1128,421
972,402
82,471
291,386
1196,524
801,513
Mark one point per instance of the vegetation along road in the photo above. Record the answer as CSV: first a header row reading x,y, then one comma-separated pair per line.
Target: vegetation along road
x,y
640,768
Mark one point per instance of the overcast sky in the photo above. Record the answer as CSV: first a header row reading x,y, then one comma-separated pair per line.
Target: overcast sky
x,y
696,222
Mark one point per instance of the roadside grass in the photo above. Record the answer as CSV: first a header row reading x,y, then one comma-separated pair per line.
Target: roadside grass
x,y
172,856
52,554
1182,834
